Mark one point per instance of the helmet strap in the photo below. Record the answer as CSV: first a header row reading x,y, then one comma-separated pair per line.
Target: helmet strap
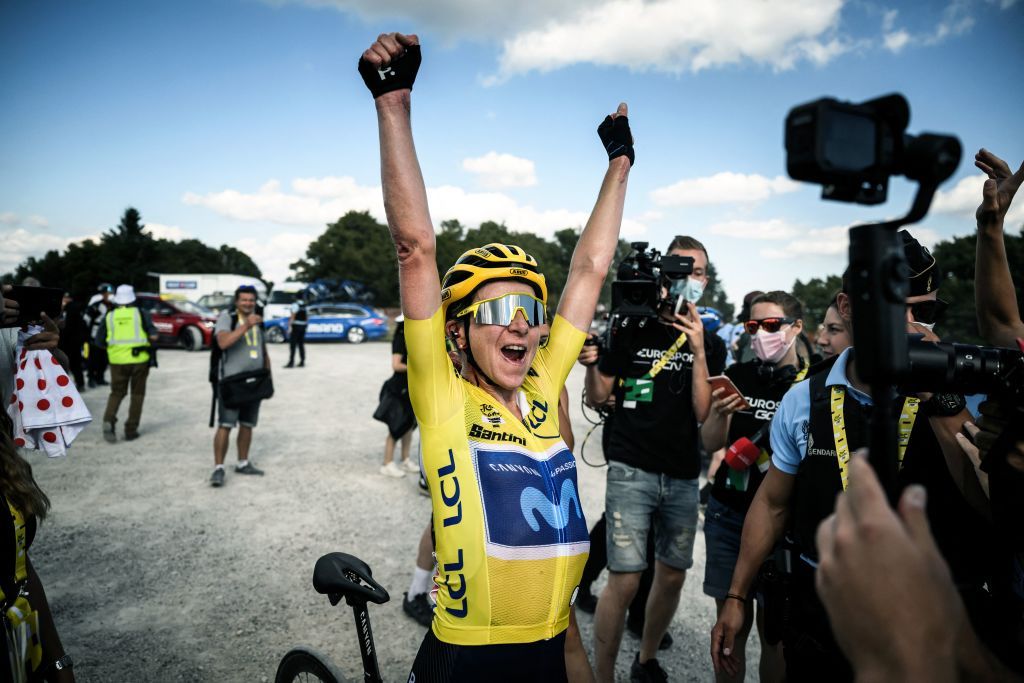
x,y
471,359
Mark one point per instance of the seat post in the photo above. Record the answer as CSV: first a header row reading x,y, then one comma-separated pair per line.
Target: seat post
x,y
371,670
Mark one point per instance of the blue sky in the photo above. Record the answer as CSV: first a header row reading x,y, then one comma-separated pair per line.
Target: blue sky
x,y
245,122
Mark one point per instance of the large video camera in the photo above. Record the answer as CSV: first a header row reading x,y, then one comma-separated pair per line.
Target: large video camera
x,y
852,150
636,292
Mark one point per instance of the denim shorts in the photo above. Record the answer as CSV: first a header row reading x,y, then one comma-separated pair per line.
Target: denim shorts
x,y
723,528
247,413
637,501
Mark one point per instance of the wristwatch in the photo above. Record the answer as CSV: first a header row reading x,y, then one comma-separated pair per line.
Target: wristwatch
x,y
944,404
63,663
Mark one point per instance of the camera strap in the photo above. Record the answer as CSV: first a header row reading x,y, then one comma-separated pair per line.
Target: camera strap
x,y
908,416
666,357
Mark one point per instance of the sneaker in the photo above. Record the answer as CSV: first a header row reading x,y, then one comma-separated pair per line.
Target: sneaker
x,y
217,478
302,364
410,466
648,672
108,432
289,365
586,601
131,437
249,468
392,470
418,608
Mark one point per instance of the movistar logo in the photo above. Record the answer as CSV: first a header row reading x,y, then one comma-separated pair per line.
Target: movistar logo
x,y
533,502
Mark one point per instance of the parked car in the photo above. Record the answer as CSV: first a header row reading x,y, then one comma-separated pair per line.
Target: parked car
x,y
179,322
354,323
216,302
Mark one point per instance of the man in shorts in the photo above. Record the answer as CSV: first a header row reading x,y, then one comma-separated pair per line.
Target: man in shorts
x,y
239,334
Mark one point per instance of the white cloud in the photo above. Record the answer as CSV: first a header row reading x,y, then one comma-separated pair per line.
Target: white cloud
x,y
722,188
889,20
167,232
832,241
773,229
679,36
20,243
315,202
964,198
496,171
274,255
896,41
9,218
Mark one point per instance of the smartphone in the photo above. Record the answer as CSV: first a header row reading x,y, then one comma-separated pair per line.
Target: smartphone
x,y
32,301
723,382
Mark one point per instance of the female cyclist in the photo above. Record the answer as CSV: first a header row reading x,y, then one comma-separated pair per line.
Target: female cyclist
x,y
776,321
509,532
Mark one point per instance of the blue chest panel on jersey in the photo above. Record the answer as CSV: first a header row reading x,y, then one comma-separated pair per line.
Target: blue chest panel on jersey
x,y
529,502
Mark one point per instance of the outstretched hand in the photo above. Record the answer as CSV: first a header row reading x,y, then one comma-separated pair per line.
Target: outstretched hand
x,y
997,195
391,63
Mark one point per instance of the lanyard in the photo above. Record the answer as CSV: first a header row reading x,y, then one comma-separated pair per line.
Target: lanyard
x,y
663,361
250,334
20,554
908,415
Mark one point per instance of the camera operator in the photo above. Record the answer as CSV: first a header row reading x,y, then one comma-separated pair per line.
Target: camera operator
x,y
659,380
775,322
818,424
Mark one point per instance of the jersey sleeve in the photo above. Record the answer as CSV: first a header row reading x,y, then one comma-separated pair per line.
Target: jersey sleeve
x,y
435,391
554,362
788,430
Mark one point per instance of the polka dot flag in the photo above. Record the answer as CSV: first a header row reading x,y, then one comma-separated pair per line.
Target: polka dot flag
x,y
46,408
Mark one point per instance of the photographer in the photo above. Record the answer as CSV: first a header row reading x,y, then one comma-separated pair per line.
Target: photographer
x,y
775,323
818,424
658,376
242,349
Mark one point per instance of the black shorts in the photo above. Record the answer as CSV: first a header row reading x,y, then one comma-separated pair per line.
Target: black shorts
x,y
542,661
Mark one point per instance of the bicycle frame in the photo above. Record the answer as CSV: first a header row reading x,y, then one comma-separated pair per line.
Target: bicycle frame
x,y
367,648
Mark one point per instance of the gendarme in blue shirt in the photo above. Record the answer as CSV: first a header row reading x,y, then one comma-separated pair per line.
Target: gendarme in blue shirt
x,y
792,420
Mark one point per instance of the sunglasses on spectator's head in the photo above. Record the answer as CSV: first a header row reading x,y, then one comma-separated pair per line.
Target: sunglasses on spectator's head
x,y
501,310
769,324
928,312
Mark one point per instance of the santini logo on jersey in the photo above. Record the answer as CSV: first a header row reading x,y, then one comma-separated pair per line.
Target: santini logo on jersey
x,y
478,432
533,503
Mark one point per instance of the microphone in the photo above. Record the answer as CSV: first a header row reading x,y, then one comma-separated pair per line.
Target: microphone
x,y
744,452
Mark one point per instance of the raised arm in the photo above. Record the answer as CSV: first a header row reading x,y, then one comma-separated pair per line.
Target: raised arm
x,y
596,248
389,68
995,299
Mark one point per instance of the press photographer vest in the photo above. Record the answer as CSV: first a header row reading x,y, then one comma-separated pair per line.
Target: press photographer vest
x,y
125,332
737,489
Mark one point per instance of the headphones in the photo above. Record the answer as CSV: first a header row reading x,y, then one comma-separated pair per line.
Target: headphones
x,y
773,375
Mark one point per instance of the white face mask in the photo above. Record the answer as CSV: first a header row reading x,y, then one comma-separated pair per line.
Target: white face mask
x,y
688,289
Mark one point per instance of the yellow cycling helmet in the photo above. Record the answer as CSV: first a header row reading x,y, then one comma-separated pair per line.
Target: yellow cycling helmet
x,y
490,262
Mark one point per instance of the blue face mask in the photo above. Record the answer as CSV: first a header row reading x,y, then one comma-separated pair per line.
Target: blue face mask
x,y
689,289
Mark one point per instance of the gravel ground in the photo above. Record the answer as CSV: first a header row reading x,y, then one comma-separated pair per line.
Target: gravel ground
x,y
155,576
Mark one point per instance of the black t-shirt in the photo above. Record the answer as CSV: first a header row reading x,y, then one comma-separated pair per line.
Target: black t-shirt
x,y
660,434
400,380
8,546
763,392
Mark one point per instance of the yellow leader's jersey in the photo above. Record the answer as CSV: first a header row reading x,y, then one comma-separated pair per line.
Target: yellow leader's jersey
x,y
509,531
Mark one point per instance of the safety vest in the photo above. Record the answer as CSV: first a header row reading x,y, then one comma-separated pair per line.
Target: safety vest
x,y
124,333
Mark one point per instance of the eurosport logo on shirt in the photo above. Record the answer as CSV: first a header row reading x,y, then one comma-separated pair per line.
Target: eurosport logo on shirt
x,y
532,508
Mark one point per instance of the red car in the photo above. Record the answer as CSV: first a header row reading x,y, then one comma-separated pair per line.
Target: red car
x,y
180,323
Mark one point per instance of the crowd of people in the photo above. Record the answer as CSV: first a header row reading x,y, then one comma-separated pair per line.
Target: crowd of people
x,y
801,540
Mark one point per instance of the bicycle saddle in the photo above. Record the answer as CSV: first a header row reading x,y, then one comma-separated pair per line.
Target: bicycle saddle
x,y
339,575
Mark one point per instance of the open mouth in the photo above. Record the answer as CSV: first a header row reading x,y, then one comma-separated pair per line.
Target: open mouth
x,y
514,353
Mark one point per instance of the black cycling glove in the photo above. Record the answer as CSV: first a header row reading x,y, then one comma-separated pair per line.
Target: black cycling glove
x,y
398,75
617,139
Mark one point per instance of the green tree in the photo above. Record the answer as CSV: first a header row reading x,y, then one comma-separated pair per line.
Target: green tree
x,y
715,296
126,254
356,247
956,263
816,295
